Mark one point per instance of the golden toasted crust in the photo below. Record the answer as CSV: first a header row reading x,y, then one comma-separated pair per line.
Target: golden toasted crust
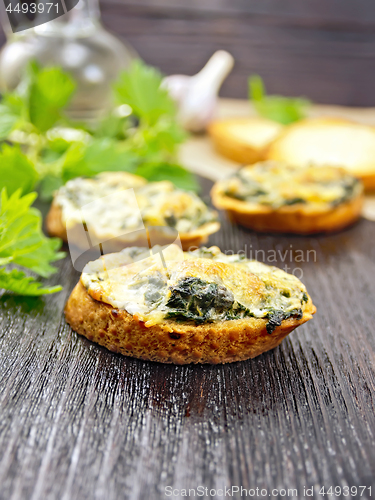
x,y
244,140
298,219
172,342
56,227
328,141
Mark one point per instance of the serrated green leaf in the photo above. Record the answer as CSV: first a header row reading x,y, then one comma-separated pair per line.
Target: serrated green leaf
x,y
50,90
180,177
21,236
49,185
16,281
101,155
8,121
281,109
158,142
16,170
11,109
6,260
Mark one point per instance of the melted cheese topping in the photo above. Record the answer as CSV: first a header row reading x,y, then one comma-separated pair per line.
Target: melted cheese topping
x,y
276,185
110,211
202,286
323,141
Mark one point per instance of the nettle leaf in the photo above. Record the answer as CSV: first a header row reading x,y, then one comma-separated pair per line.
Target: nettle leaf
x,y
16,281
49,185
179,176
16,170
140,88
101,155
161,140
281,109
11,111
22,241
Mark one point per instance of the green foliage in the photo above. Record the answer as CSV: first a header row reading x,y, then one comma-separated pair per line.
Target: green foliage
x,y
23,243
174,173
17,282
156,138
48,155
274,107
82,160
50,90
33,113
11,109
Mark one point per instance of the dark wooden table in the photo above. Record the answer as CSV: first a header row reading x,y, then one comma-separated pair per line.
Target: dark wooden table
x,y
78,422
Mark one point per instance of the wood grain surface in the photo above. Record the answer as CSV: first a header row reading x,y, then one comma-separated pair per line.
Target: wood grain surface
x,y
78,422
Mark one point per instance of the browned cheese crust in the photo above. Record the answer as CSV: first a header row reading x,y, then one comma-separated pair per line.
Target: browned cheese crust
x,y
173,342
297,219
56,227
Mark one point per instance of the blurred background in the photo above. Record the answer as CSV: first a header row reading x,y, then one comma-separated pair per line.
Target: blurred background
x,y
322,49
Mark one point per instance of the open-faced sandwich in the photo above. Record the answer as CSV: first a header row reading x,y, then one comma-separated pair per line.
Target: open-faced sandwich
x,y
110,213
175,307
244,140
272,196
328,141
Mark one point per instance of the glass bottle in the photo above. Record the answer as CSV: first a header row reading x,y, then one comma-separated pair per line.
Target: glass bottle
x,y
78,43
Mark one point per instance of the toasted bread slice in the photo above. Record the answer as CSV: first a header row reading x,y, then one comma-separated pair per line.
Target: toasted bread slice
x,y
204,308
328,141
274,197
244,140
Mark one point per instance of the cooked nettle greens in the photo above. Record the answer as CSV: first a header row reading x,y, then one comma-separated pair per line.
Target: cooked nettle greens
x,y
43,149
201,286
277,185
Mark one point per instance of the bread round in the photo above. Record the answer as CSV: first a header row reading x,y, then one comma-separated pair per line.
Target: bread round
x,y
244,140
104,319
328,141
173,342
299,218
153,202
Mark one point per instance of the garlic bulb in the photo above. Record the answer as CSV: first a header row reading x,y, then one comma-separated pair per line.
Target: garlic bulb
x,y
196,96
